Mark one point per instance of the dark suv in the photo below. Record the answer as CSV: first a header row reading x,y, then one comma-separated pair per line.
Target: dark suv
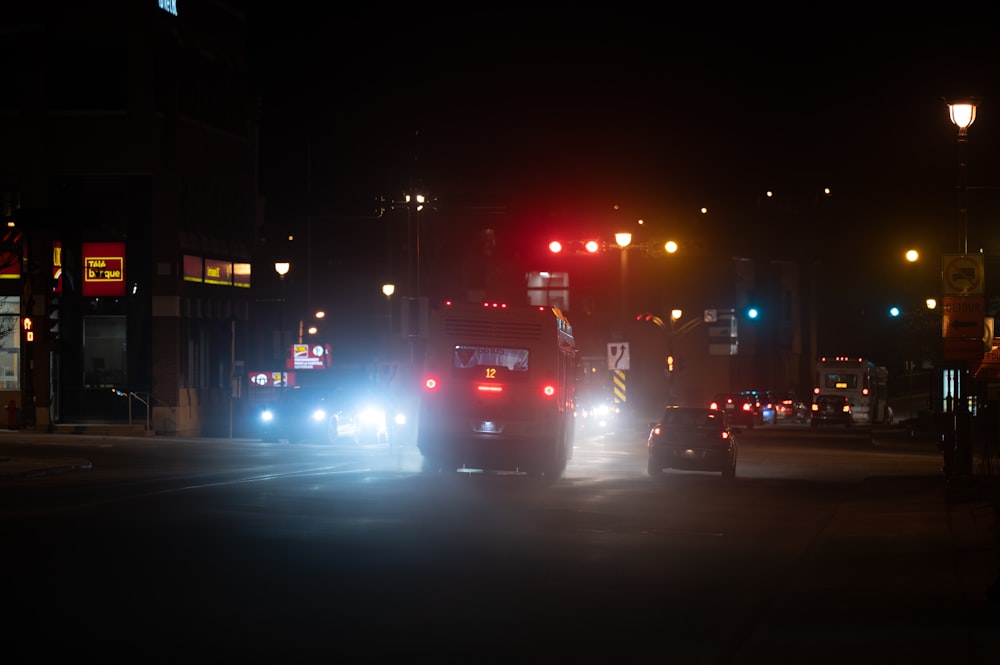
x,y
831,410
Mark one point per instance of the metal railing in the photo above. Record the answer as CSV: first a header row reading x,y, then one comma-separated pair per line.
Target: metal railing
x,y
141,397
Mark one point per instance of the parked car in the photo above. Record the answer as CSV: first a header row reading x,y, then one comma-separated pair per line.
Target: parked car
x,y
740,408
831,410
692,439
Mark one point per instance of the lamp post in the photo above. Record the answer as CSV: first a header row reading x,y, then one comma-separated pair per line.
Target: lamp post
x,y
623,240
671,332
313,329
414,204
282,268
962,114
388,290
675,316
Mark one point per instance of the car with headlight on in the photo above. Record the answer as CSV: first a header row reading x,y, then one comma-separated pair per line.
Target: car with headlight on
x,y
336,409
595,411
692,439
296,416
361,416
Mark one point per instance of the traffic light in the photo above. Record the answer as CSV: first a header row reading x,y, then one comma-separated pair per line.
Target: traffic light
x,y
650,317
575,247
753,313
895,312
670,363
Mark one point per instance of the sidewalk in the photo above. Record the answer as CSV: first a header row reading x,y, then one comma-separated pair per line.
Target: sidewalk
x,y
929,592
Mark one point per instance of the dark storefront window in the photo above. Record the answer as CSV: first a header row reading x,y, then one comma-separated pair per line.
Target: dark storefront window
x,y
104,354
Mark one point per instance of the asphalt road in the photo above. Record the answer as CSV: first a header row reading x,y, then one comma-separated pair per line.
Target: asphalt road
x,y
828,547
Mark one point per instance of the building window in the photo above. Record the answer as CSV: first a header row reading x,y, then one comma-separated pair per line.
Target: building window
x,y
549,289
10,343
104,357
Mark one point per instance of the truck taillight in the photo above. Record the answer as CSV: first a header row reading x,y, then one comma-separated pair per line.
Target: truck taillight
x,y
430,384
489,388
548,390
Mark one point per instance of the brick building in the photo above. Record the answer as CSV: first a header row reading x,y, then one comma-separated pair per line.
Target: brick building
x,y
129,197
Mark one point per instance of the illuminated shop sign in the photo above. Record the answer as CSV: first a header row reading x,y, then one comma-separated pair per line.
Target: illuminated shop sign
x,y
103,269
266,379
215,271
10,260
10,265
169,6
241,275
193,268
308,356
218,272
57,267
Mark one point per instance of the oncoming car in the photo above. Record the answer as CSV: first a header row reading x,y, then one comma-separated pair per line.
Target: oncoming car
x,y
319,416
692,439
296,416
361,418
595,412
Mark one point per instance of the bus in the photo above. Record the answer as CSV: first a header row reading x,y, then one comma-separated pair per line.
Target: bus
x,y
498,389
863,382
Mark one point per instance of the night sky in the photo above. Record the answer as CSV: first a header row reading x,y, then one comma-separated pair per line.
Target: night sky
x,y
557,117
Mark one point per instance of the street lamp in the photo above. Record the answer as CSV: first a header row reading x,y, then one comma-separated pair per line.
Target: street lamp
x,y
313,329
675,316
388,290
282,268
414,203
623,239
963,114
